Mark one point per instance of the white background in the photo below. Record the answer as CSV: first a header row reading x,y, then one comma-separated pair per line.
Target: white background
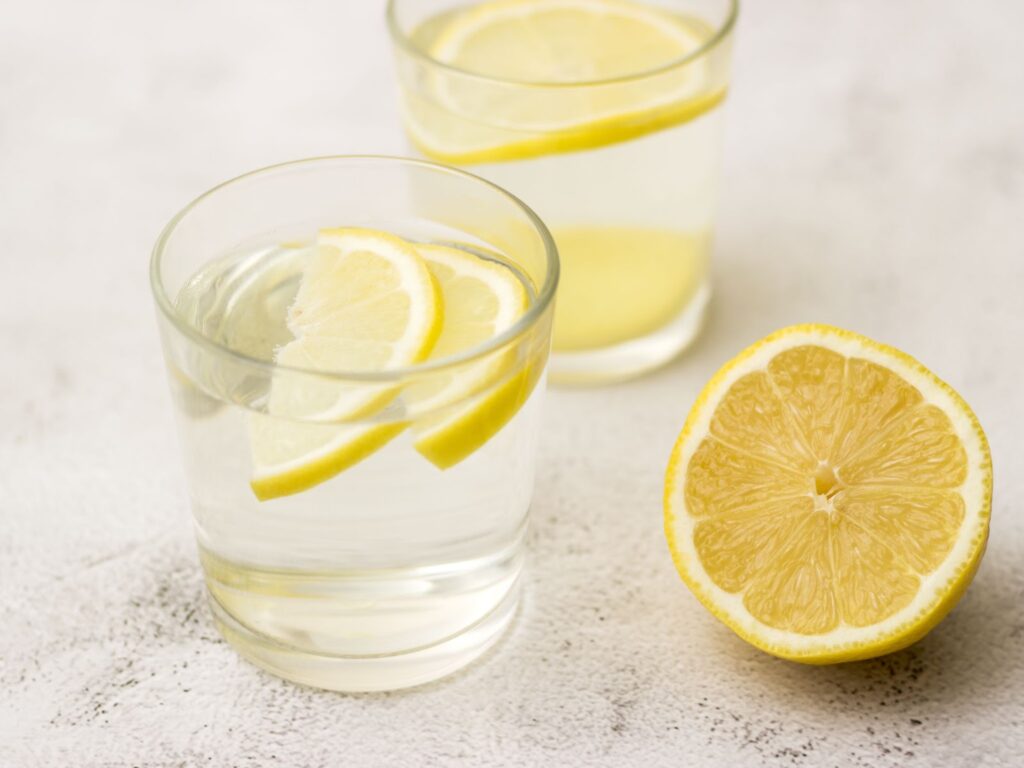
x,y
874,179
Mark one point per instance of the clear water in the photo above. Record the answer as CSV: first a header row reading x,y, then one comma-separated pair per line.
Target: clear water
x,y
387,557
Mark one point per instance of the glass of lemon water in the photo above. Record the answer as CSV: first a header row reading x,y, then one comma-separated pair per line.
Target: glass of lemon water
x,y
606,117
357,350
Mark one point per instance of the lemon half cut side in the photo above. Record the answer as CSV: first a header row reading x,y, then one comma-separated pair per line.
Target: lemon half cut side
x,y
829,497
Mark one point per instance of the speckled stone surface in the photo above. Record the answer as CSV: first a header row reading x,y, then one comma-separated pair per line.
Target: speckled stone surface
x,y
874,179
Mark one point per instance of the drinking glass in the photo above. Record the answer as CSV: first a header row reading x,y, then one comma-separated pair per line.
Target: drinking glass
x,y
394,571
624,169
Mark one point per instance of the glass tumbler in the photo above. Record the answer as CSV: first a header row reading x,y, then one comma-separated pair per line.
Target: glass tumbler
x,y
624,169
393,571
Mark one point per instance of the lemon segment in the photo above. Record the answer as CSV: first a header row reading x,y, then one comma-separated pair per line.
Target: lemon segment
x,y
630,55
469,405
366,302
829,497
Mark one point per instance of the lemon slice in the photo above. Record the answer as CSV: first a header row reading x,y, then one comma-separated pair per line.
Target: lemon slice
x,y
482,299
828,498
549,43
291,457
563,41
366,302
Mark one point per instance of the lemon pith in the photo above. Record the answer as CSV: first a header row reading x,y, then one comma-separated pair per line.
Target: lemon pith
x,y
828,497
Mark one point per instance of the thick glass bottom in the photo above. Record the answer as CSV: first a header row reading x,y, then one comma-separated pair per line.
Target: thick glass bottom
x,y
371,672
632,358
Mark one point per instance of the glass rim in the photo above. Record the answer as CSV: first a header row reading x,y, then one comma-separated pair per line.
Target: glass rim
x,y
721,31
544,297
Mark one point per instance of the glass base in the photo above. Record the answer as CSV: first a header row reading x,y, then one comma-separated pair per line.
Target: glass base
x,y
384,672
636,356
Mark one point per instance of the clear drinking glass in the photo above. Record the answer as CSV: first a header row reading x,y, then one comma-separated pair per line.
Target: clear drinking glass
x,y
393,572
624,170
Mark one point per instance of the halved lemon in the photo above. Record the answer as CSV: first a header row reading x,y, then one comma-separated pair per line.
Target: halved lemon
x,y
472,402
537,44
829,497
366,302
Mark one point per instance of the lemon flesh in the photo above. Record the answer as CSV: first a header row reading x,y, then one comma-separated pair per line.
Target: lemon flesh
x,y
533,46
366,302
829,497
472,401
563,41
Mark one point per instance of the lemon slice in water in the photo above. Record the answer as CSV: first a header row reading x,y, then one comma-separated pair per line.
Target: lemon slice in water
x,y
482,299
828,498
534,44
366,302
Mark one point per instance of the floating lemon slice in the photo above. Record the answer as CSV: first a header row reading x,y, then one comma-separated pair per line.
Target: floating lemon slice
x,y
537,45
366,302
828,498
475,400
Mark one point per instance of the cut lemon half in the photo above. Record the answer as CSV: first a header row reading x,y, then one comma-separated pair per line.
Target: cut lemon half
x,y
366,302
473,401
828,498
630,55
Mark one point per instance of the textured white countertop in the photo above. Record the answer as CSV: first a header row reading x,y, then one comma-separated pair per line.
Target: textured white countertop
x,y
874,179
